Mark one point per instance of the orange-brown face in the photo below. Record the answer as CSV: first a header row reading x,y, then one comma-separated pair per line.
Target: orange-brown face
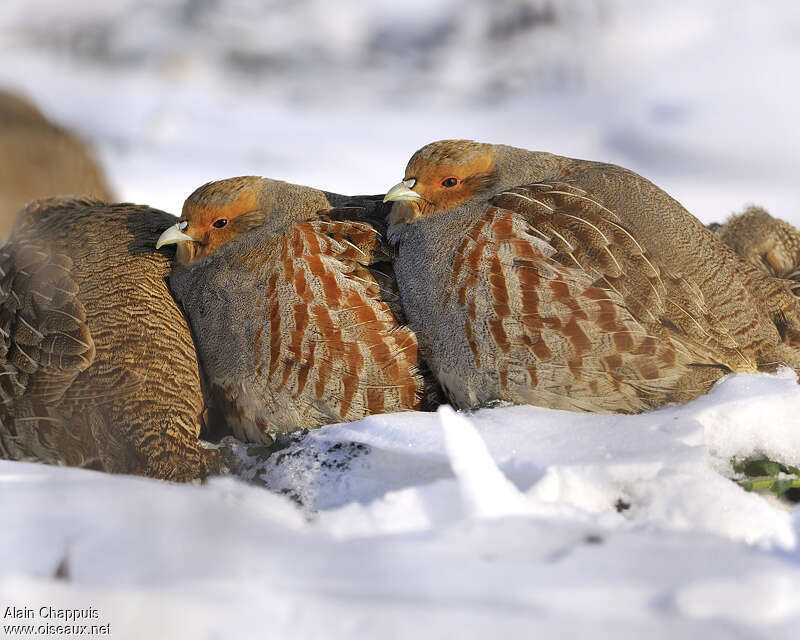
x,y
204,227
437,182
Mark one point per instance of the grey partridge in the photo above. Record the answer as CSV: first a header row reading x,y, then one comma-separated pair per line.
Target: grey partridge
x,y
294,321
97,364
770,244
39,158
534,278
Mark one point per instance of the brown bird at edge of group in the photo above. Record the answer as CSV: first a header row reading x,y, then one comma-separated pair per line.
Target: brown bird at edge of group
x,y
770,244
295,317
534,278
97,364
39,159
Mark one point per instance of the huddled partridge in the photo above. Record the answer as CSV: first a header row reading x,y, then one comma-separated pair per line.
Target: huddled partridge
x,y
97,364
38,159
769,243
534,278
294,319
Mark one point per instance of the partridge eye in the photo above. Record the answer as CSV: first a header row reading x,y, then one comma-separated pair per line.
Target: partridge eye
x,y
452,181
219,224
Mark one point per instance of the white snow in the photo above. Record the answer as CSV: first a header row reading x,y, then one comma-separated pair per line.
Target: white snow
x,y
496,522
485,491
507,522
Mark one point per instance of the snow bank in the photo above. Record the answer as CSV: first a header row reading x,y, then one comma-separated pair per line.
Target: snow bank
x,y
429,524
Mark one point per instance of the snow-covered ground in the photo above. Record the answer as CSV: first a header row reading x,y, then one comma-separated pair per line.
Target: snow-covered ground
x,y
510,522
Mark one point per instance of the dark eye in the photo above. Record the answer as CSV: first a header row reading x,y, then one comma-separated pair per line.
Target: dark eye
x,y
219,224
452,181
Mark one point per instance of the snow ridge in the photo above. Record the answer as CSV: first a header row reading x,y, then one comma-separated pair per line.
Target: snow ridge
x,y
486,492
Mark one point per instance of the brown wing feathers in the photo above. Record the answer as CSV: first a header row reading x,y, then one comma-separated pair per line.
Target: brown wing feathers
x,y
46,342
580,339
97,365
344,343
589,236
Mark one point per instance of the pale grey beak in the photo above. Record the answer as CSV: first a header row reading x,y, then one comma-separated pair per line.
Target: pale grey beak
x,y
173,235
400,192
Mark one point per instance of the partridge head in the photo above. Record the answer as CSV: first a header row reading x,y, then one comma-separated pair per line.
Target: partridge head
x,y
443,176
290,299
531,277
219,212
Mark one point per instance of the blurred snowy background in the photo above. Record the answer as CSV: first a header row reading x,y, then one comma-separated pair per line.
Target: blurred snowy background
x,y
405,525
700,97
